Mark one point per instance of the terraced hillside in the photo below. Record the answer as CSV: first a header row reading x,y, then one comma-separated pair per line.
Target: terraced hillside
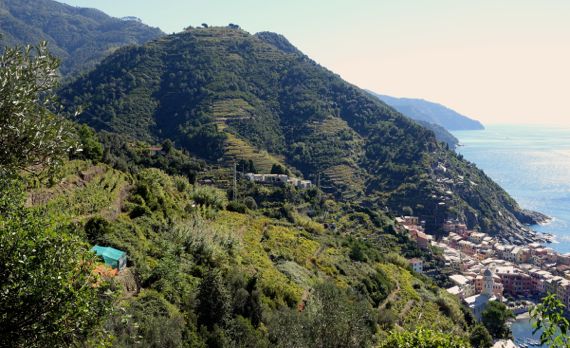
x,y
224,94
176,234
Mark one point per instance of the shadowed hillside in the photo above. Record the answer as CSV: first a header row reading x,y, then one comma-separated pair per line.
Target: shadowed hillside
x,y
80,37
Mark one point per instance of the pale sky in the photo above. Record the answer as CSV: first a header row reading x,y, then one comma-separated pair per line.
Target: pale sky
x,y
498,61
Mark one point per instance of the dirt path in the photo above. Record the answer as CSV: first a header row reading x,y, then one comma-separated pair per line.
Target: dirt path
x,y
406,308
112,212
390,297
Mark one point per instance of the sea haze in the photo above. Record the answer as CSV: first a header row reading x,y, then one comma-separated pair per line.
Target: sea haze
x,y
530,162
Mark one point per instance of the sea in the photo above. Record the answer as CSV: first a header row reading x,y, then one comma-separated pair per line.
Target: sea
x,y
522,334
532,163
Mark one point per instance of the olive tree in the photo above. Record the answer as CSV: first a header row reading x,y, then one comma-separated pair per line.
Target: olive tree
x,y
48,294
32,136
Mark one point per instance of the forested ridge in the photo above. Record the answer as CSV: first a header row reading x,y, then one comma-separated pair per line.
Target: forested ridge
x,y
223,94
80,37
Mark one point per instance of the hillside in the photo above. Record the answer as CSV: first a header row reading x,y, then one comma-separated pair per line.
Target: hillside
x,y
271,265
226,95
427,111
80,37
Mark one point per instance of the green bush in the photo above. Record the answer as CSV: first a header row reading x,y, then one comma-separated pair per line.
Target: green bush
x,y
95,229
423,338
209,197
250,203
237,207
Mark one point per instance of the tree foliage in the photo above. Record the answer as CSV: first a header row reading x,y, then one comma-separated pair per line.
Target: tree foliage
x,y
330,319
31,136
47,292
480,337
494,317
549,316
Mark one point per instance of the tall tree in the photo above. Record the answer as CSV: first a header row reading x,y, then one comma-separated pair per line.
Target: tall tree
x,y
214,302
48,296
494,317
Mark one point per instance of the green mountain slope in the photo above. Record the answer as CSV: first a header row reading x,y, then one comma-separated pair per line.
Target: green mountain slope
x,y
80,37
427,111
226,95
271,273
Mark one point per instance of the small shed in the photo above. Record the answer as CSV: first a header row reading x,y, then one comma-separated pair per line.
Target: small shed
x,y
111,256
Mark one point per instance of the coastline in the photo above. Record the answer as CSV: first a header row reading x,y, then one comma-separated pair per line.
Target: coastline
x,y
526,162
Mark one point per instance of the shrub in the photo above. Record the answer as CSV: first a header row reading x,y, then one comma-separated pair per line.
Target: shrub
x,y
423,338
237,207
250,203
95,229
209,197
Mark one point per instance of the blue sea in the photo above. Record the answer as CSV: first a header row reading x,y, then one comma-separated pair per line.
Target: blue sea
x,y
522,332
532,163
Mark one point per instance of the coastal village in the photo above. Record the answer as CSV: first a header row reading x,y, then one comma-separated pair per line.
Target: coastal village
x,y
486,269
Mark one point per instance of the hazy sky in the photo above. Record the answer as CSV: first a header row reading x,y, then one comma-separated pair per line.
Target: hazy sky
x,y
499,61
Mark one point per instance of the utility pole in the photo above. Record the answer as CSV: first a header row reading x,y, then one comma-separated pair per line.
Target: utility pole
x,y
235,181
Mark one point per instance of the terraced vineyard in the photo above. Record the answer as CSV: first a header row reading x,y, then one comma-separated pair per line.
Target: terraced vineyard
x,y
84,192
238,149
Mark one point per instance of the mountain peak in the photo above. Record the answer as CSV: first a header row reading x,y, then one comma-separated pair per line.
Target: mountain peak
x,y
278,41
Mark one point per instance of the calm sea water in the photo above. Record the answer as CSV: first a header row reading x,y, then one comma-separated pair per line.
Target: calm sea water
x,y
522,331
532,163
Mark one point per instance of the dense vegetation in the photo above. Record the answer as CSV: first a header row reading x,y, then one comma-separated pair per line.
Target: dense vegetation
x,y
80,37
274,266
426,111
224,95
279,277
202,271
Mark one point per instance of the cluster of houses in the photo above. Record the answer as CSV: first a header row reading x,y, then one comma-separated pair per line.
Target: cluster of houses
x,y
278,179
415,230
487,269
518,271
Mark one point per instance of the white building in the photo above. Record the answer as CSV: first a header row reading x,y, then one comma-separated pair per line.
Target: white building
x,y
478,303
417,265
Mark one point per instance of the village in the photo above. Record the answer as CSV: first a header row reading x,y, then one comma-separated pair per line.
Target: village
x,y
486,269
